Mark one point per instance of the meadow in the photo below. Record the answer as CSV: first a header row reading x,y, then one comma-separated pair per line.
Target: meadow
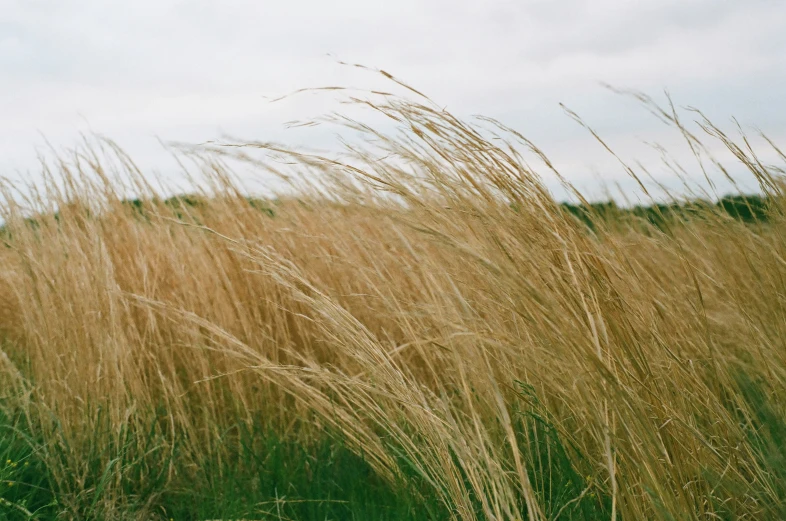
x,y
416,329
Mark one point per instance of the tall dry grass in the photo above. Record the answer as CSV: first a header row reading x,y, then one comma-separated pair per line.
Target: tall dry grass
x,y
426,299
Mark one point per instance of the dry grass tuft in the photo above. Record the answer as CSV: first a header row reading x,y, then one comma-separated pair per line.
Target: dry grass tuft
x,y
426,299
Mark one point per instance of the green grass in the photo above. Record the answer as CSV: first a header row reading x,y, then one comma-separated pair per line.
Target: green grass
x,y
568,493
765,430
25,484
267,476
258,475
263,475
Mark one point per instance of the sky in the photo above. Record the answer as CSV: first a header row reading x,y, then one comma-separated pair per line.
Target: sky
x,y
192,70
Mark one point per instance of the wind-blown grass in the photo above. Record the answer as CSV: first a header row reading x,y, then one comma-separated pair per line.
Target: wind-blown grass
x,y
417,331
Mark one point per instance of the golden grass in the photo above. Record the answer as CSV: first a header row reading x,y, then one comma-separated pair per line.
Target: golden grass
x,y
418,298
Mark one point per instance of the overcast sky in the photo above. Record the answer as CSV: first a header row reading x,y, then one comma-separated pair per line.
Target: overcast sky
x,y
190,70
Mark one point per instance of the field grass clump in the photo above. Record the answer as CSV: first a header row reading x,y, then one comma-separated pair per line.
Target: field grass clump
x,y
414,329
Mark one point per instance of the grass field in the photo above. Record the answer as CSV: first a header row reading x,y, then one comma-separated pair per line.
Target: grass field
x,y
415,331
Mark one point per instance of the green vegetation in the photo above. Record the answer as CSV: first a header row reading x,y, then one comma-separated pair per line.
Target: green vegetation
x,y
25,483
745,208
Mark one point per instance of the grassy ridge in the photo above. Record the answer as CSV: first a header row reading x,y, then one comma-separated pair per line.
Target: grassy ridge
x,y
420,332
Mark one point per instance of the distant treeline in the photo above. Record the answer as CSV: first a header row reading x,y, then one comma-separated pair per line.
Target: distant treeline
x,y
746,208
186,207
181,203
180,206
